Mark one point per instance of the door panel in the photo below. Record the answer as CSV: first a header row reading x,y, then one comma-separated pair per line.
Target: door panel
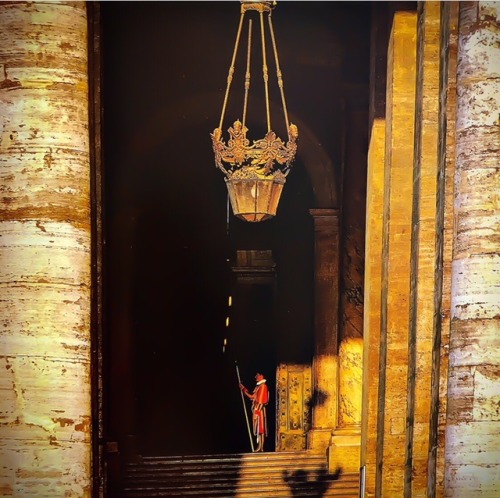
x,y
293,406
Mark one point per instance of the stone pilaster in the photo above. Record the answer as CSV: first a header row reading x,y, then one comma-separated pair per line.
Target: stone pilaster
x,y
444,245
44,250
326,301
472,467
424,276
346,438
396,250
373,275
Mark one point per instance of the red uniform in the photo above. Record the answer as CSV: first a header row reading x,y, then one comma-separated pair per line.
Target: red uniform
x,y
260,398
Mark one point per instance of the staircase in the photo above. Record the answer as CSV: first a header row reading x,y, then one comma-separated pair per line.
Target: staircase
x,y
256,475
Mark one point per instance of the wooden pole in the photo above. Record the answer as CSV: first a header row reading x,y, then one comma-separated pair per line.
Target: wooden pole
x,y
244,407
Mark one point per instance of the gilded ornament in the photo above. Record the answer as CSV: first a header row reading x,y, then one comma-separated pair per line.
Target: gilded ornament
x,y
262,156
255,172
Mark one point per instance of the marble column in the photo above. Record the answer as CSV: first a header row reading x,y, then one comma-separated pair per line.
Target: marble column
x,y
45,272
472,466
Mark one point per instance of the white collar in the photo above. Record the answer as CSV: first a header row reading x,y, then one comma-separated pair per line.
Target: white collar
x,y
261,382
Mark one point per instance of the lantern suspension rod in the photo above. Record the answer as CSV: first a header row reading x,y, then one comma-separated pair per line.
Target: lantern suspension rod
x,y
231,70
279,74
264,70
247,74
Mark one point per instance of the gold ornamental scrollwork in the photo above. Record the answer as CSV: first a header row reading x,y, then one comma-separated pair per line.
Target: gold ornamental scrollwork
x,y
262,156
258,6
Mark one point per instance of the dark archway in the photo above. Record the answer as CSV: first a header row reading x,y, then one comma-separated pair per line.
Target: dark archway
x,y
166,206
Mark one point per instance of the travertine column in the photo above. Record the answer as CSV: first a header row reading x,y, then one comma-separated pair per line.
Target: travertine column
x,y
326,302
373,275
398,191
44,250
473,417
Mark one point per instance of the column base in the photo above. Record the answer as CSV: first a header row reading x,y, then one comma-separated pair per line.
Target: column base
x,y
318,440
344,450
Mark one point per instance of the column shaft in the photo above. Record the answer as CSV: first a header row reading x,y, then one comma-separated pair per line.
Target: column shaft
x,y
44,250
472,466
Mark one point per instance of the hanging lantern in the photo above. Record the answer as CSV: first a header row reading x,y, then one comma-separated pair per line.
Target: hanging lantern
x,y
255,174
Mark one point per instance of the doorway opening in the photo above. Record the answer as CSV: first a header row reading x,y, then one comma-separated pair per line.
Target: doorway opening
x,y
168,382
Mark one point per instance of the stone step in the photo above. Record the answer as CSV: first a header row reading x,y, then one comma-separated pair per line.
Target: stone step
x,y
336,489
250,492
257,475
232,458
205,479
221,469
235,465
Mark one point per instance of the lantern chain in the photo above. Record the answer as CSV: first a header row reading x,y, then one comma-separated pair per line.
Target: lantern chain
x,y
264,70
231,70
278,73
247,74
